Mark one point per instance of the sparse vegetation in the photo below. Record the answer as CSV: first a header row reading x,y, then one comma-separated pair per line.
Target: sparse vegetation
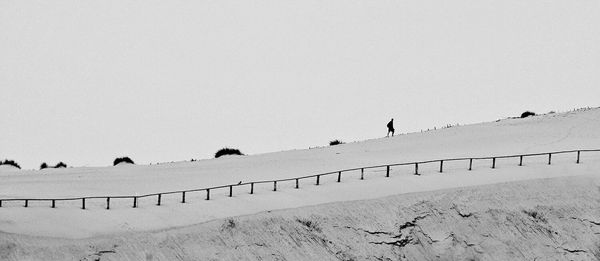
x,y
229,224
535,215
527,114
227,151
60,165
122,160
310,224
10,163
335,142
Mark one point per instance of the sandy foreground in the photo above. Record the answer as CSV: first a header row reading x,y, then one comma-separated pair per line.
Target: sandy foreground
x,y
542,219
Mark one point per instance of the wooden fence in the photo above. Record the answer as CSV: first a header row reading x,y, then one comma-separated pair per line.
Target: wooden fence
x,y
316,177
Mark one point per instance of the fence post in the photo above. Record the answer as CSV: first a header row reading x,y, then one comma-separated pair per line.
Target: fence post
x,y
183,197
230,191
549,158
159,197
274,185
441,166
493,163
108,203
297,184
134,202
26,202
53,203
318,176
207,194
82,203
252,188
578,152
339,176
521,160
362,173
470,164
416,168
387,171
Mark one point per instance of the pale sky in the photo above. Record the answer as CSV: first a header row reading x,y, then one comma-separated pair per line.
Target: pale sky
x,y
87,81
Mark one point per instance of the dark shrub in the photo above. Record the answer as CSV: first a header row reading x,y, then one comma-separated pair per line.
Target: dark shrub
x,y
229,224
335,142
44,165
122,159
536,215
527,114
61,165
310,224
11,163
227,151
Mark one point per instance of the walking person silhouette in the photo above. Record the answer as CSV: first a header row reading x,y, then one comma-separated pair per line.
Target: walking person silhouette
x,y
390,127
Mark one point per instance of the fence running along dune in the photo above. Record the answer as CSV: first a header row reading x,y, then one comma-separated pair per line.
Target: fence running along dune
x,y
316,177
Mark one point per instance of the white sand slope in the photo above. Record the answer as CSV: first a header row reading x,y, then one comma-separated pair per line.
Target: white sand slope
x,y
541,219
538,134
576,130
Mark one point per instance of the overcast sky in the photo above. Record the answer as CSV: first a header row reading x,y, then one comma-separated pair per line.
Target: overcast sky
x,y
87,81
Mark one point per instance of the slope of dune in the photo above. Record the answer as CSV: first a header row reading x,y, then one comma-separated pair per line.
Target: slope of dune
x,y
458,213
542,219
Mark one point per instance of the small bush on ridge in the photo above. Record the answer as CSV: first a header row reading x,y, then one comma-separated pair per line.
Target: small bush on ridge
x,y
11,163
335,142
227,151
58,165
122,159
527,114
61,165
